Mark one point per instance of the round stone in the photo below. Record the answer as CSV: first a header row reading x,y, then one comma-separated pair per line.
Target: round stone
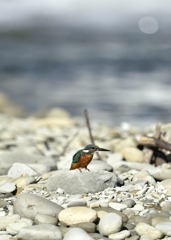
x,y
14,228
28,205
43,232
118,206
77,234
44,219
5,220
120,235
110,223
146,229
165,227
129,202
74,215
7,187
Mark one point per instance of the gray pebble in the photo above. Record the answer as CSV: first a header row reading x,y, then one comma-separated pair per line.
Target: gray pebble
x,y
43,232
75,203
129,202
110,223
28,205
7,187
77,234
87,226
44,219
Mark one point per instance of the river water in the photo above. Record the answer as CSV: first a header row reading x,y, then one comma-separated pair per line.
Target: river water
x,y
118,74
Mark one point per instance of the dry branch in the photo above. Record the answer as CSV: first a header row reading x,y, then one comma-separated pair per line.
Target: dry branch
x,y
148,153
89,130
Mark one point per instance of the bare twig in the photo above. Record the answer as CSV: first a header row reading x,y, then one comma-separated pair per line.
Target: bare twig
x,y
89,130
47,145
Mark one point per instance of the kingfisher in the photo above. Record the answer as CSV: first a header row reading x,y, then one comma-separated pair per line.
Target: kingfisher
x,y
83,157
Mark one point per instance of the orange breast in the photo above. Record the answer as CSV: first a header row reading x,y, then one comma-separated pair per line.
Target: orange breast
x,y
83,162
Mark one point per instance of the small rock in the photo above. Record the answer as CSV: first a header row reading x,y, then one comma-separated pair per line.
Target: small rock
x,y
28,205
4,221
105,210
44,219
166,206
110,223
19,169
147,230
145,238
138,207
77,234
75,203
7,187
24,181
158,220
74,215
162,174
120,235
89,227
43,232
129,202
165,227
132,154
14,227
118,206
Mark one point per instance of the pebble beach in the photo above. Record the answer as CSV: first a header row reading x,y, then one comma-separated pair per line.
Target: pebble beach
x,y
40,198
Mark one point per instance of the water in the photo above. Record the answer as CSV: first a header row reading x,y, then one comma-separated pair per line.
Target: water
x,y
119,74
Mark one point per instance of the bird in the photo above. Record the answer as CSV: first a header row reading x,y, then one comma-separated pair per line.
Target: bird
x,y
83,157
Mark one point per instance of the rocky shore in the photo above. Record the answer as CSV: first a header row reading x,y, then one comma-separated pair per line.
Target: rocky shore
x,y
120,198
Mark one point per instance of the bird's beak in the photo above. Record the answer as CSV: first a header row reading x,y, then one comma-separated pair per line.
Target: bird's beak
x,y
102,149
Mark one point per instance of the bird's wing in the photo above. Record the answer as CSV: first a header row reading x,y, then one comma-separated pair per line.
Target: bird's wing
x,y
77,156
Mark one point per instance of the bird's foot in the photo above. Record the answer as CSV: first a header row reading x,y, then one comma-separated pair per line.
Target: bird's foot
x,y
87,169
80,170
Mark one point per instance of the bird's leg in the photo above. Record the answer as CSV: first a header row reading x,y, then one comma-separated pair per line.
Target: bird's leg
x,y
87,169
80,170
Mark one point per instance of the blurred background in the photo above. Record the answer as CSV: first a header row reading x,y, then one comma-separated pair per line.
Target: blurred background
x,y
111,57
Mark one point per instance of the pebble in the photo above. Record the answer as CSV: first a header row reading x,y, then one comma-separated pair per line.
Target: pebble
x,y
110,223
165,227
43,232
75,203
129,203
44,219
32,190
14,227
28,205
7,187
89,227
74,215
77,234
118,206
147,230
120,235
19,169
4,221
132,154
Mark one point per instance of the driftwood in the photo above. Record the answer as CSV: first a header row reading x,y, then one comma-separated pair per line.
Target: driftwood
x,y
148,153
156,147
89,130
155,143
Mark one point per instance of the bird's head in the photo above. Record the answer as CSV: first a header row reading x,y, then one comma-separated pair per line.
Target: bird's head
x,y
91,148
